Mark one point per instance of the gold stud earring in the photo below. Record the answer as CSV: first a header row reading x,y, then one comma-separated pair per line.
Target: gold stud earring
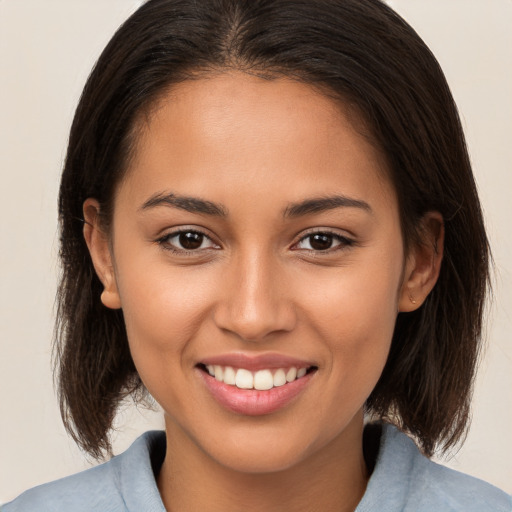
x,y
412,299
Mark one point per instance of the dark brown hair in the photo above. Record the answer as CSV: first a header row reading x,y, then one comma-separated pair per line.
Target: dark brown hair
x,y
361,52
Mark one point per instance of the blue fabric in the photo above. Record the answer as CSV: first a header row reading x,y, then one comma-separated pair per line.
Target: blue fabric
x,y
403,480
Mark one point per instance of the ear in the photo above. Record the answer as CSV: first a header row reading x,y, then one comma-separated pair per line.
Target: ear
x,y
99,248
423,263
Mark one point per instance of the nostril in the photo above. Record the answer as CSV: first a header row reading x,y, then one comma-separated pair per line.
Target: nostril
x,y
252,318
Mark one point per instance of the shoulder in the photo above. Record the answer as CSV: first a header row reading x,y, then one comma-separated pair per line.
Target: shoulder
x,y
89,490
124,484
406,480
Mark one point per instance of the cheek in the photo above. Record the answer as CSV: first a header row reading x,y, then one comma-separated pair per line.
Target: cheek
x,y
163,312
355,314
359,304
163,308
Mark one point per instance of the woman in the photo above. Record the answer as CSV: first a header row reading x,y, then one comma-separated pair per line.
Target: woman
x,y
280,234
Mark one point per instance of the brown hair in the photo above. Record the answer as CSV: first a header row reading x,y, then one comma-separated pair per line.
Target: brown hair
x,y
361,52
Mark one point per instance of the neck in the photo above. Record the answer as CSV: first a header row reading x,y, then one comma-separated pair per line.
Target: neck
x,y
334,478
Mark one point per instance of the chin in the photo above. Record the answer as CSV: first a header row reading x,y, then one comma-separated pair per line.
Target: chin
x,y
249,446
261,461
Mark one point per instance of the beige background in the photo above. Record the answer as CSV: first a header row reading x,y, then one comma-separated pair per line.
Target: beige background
x,y
47,48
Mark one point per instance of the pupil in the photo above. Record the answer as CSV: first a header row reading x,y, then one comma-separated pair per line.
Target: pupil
x,y
191,240
321,242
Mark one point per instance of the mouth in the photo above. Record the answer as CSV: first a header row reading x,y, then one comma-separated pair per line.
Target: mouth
x,y
255,387
261,380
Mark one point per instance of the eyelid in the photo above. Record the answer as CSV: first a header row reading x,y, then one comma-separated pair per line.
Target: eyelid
x,y
345,240
163,240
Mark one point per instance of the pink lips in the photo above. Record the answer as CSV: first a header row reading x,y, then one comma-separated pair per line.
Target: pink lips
x,y
252,402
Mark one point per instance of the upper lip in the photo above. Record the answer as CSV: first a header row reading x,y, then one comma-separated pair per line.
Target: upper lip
x,y
255,362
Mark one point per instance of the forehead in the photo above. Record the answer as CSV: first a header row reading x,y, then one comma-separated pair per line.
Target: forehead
x,y
235,131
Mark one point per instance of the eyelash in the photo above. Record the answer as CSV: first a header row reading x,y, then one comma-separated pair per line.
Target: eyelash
x,y
164,242
343,242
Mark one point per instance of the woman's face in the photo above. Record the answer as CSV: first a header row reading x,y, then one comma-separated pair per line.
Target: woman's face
x,y
256,236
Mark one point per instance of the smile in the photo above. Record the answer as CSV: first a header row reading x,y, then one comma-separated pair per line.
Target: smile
x,y
262,389
261,380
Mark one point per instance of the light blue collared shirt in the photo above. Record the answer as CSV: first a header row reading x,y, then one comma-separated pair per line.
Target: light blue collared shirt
x,y
403,481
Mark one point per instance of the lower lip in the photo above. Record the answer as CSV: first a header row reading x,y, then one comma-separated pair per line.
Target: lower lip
x,y
253,402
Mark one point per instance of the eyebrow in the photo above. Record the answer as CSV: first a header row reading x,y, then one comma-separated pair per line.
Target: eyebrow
x,y
293,210
190,204
321,204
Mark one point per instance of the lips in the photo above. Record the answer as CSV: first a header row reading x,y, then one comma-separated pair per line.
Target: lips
x,y
258,385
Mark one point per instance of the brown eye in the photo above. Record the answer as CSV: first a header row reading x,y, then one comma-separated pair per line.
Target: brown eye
x,y
183,241
323,242
190,240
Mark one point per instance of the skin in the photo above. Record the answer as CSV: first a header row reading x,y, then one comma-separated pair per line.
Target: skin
x,y
256,286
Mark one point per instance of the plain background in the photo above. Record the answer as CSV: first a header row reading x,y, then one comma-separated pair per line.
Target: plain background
x,y
47,48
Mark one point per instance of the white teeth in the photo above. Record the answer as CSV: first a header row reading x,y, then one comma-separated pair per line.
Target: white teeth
x,y
279,378
244,379
219,373
291,374
229,376
261,380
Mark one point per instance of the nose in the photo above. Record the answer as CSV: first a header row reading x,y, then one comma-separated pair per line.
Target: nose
x,y
255,302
